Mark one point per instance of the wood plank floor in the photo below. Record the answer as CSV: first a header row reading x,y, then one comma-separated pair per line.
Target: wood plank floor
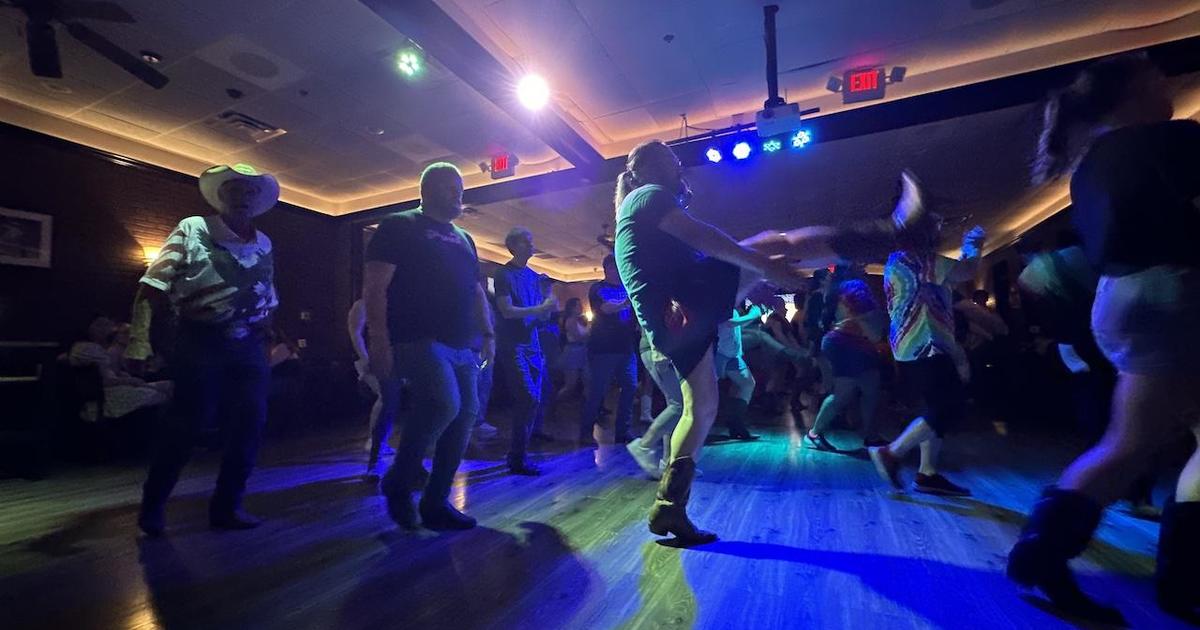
x,y
809,539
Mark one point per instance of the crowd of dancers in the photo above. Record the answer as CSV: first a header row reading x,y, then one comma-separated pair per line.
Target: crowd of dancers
x,y
430,322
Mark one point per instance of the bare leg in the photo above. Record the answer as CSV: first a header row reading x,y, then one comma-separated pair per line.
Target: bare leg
x,y
699,409
1146,415
918,431
843,392
930,449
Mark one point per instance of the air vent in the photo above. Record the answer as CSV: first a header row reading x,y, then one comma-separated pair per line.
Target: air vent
x,y
240,125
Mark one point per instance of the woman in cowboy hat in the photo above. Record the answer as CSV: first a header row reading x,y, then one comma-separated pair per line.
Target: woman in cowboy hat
x,y
216,273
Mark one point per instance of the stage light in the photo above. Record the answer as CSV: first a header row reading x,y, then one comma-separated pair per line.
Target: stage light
x,y
713,155
801,138
772,145
408,62
741,150
533,92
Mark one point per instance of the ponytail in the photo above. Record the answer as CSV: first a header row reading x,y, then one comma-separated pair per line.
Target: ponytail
x,y
1069,114
641,159
626,183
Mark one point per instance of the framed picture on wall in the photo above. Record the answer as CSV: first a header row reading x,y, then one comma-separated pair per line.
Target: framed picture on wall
x,y
24,238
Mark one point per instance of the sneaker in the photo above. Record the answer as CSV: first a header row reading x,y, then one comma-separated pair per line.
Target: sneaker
x,y
886,465
486,431
443,516
644,457
819,442
937,484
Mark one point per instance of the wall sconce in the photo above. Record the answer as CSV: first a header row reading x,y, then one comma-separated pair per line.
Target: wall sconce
x,y
150,254
588,315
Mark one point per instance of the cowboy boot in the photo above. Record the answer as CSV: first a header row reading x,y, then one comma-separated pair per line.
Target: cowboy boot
x,y
669,513
869,239
1177,578
1059,529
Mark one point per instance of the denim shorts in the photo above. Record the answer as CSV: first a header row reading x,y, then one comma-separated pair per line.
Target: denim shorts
x,y
1148,322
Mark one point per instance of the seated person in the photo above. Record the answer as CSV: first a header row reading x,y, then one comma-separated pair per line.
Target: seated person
x,y
123,393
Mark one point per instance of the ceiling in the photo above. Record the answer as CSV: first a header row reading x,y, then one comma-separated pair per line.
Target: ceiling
x,y
323,70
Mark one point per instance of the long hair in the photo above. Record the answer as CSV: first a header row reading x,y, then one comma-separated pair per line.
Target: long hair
x,y
628,181
1094,94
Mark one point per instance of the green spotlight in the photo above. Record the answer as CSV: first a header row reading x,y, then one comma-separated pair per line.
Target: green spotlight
x,y
772,145
408,62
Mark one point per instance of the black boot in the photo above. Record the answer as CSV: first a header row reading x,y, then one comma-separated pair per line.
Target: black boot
x,y
669,513
1177,578
735,419
441,516
867,240
1059,529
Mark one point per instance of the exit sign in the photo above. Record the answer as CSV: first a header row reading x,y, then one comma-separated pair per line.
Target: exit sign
x,y
503,165
863,84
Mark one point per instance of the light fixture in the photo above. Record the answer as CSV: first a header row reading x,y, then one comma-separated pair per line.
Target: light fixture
x,y
772,145
151,57
801,138
897,74
408,62
588,315
713,154
150,254
741,150
834,84
533,92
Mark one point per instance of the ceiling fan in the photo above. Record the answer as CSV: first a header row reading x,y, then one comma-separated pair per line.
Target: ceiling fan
x,y
41,16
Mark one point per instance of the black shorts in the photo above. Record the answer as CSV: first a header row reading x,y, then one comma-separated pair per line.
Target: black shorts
x,y
936,381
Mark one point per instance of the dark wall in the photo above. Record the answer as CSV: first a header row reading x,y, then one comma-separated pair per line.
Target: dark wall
x,y
106,209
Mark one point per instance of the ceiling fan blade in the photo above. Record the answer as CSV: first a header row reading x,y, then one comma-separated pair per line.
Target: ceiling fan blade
x,y
43,49
84,10
117,55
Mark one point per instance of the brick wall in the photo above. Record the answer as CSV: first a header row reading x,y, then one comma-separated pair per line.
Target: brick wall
x,y
105,211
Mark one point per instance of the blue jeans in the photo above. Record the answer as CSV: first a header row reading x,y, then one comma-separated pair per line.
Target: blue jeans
x,y
213,376
445,402
667,379
604,367
524,368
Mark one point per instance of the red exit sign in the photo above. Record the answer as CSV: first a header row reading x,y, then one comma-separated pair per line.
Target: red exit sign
x,y
863,84
503,165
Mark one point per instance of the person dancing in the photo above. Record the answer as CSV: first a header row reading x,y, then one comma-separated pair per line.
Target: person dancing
x,y
684,278
1135,182
731,364
917,282
850,347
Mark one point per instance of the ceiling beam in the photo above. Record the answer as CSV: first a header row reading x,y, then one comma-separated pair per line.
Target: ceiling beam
x,y
453,47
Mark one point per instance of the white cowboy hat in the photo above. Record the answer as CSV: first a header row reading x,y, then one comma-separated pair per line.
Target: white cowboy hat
x,y
212,179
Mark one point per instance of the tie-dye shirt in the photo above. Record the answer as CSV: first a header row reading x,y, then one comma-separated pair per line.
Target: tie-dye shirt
x,y
919,305
215,278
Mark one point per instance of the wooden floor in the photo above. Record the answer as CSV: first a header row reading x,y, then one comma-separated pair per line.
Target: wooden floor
x,y
809,539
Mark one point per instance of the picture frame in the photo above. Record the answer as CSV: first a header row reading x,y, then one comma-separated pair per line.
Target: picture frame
x,y
25,238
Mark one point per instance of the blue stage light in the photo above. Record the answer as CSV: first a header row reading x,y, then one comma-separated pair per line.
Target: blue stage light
x,y
772,145
713,155
801,138
741,150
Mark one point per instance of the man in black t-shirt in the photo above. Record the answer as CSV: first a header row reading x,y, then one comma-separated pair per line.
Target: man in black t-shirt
x,y
612,353
521,305
427,313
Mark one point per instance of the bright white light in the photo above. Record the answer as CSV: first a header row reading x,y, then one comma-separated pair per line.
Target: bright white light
x,y
713,155
801,139
741,150
533,92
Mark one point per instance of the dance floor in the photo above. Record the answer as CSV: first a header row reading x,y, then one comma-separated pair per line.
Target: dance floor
x,y
809,539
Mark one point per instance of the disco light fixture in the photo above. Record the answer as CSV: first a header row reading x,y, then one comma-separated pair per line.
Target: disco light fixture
x,y
772,145
408,62
713,154
741,150
801,139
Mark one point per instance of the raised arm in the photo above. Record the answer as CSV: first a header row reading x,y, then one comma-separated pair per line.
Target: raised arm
x,y
720,245
754,313
968,266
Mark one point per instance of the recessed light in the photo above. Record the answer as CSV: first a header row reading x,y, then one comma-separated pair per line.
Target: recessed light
x,y
374,131
151,57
